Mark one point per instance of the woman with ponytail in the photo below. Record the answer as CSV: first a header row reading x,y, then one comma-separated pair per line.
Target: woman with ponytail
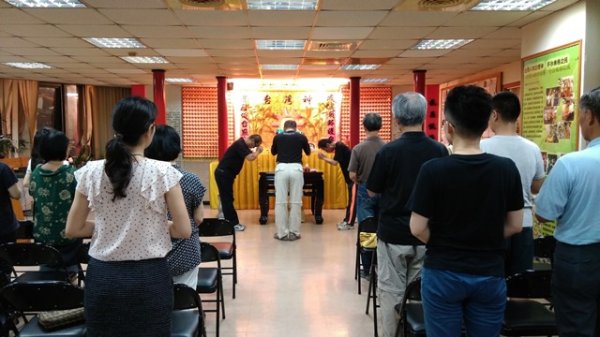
x,y
128,288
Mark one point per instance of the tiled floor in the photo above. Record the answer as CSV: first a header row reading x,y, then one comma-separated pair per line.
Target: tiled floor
x,y
304,288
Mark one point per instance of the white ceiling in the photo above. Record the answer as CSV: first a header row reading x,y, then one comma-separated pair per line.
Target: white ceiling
x,y
212,42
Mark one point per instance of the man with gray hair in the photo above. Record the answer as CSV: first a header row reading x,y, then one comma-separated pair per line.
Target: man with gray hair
x,y
399,254
571,195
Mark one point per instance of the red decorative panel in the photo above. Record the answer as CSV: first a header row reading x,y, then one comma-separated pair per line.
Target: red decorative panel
x,y
199,122
372,99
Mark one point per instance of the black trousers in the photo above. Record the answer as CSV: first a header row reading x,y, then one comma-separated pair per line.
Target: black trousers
x,y
576,289
225,181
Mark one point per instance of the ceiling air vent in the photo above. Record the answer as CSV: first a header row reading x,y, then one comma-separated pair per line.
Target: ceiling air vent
x,y
202,3
446,5
331,46
205,4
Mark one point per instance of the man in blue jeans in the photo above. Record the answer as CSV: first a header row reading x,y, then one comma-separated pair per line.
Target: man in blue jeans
x,y
463,206
361,161
571,195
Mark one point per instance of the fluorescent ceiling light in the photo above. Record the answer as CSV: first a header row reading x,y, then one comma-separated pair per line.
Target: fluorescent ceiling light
x,y
374,80
320,67
296,5
144,59
511,5
28,65
360,66
441,44
279,66
179,80
114,42
46,3
280,44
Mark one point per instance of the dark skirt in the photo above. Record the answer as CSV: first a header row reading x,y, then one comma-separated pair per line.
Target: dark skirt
x,y
128,298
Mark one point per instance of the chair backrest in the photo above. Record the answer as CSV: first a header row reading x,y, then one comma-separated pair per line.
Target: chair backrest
x,y
209,253
30,254
368,225
186,298
25,230
530,284
413,291
44,296
544,247
216,227
83,253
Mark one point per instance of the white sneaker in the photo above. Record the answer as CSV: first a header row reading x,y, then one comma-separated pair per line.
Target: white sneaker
x,y
239,227
344,226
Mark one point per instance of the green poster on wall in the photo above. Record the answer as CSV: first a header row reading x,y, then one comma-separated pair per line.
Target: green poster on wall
x,y
550,97
550,106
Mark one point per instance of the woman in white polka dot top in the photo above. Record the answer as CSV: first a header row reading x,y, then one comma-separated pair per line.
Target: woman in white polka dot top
x,y
128,288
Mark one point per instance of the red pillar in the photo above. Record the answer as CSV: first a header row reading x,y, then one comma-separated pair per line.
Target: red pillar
x,y
222,114
138,90
158,76
419,81
354,111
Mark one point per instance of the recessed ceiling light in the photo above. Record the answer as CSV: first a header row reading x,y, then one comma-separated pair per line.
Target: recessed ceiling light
x,y
144,59
441,44
179,80
360,66
511,5
296,5
46,3
280,44
114,42
279,66
374,80
28,65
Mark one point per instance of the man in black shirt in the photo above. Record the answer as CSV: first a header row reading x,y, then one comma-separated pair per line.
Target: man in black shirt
x,y
341,158
289,179
399,254
463,206
229,167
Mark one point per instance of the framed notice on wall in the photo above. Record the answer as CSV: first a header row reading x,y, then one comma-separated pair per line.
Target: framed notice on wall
x,y
550,94
491,83
550,99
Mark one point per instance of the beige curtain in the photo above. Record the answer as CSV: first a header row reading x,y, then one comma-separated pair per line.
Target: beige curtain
x,y
28,94
102,102
86,119
9,108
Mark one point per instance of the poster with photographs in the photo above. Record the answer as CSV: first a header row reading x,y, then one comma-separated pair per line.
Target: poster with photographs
x,y
491,83
550,98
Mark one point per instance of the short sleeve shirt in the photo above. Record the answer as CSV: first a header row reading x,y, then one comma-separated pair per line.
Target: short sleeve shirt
x,y
528,158
363,157
466,199
571,195
8,222
135,227
53,193
233,159
185,254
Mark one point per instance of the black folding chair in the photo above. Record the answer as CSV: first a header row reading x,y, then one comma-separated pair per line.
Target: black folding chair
x,y
32,255
30,298
212,227
412,319
188,318
526,313
368,225
210,280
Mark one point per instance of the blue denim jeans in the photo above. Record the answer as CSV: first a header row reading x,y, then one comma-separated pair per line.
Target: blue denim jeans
x,y
365,206
451,299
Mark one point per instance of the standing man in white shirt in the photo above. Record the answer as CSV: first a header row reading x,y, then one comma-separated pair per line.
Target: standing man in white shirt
x,y
528,158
